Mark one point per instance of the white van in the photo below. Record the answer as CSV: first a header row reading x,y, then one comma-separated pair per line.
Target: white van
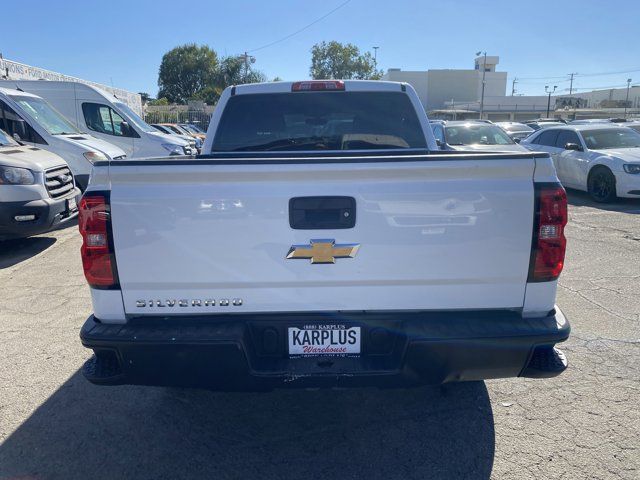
x,y
102,114
37,192
31,120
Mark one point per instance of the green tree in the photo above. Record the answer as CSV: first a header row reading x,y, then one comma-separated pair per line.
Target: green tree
x,y
185,71
334,60
230,71
159,101
234,71
145,97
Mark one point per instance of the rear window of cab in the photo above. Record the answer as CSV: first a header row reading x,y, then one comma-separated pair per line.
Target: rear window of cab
x,y
319,121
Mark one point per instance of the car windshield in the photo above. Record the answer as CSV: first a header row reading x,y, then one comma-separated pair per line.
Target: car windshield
x,y
611,138
134,118
181,130
192,128
45,115
634,127
5,139
471,134
319,121
161,129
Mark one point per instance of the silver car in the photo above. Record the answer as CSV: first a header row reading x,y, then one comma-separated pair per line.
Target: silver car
x,y
473,135
516,130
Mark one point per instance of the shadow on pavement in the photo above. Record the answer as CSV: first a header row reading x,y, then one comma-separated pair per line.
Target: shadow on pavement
x,y
622,205
15,251
84,431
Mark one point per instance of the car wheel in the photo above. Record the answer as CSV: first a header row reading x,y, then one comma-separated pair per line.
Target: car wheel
x,y
602,185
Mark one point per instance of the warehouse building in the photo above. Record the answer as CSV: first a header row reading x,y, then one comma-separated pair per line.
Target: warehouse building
x,y
435,87
457,94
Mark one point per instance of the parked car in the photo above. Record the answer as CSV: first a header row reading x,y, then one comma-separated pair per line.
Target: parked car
x,y
537,125
194,143
602,159
37,190
589,121
323,240
634,125
34,122
547,120
193,130
474,135
517,131
102,114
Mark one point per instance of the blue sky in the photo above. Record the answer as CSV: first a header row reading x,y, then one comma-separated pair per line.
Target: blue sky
x,y
123,41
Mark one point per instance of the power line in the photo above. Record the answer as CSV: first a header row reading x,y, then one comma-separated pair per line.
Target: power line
x,y
596,74
605,87
541,78
542,83
609,73
301,30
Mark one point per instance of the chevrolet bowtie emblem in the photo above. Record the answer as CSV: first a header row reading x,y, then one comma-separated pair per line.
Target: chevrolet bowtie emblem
x,y
323,251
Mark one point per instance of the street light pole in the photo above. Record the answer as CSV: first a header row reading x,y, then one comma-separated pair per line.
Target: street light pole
x,y
375,57
626,101
549,92
484,72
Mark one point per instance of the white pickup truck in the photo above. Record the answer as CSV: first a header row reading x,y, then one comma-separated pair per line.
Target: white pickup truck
x,y
322,239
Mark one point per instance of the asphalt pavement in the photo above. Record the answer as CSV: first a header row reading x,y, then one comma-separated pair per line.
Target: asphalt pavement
x,y
583,424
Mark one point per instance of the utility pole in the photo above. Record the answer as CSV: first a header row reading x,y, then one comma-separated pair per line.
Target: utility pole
x,y
626,101
513,86
375,57
247,59
571,84
549,92
484,72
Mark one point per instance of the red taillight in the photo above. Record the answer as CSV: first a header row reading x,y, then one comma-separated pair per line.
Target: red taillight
x,y
318,86
97,255
549,243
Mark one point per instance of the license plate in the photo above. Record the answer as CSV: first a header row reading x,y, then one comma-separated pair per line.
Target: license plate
x,y
315,340
72,204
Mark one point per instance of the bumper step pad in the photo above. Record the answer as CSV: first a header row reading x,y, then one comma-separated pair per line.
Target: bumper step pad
x,y
546,362
103,369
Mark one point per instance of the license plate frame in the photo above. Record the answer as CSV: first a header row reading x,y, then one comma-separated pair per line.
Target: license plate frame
x,y
324,340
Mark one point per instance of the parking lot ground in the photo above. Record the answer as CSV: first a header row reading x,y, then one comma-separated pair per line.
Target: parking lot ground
x,y
583,424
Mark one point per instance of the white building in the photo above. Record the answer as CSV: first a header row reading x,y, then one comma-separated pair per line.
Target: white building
x,y
608,98
457,94
435,87
10,70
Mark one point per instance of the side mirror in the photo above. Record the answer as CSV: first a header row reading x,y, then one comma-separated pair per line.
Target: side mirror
x,y
19,129
439,143
517,140
125,129
573,146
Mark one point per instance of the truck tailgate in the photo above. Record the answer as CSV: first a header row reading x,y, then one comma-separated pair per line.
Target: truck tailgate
x,y
440,233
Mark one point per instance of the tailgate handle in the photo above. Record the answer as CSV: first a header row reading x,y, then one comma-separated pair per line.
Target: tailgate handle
x,y
322,213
